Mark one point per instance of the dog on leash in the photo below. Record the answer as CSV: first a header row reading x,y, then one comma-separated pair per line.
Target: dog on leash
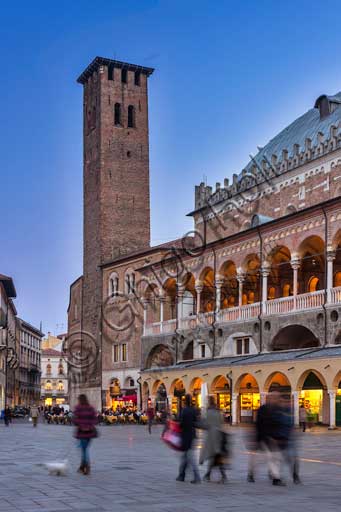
x,y
56,468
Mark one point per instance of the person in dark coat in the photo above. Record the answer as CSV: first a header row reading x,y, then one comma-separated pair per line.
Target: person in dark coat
x,y
85,419
188,421
268,430
7,416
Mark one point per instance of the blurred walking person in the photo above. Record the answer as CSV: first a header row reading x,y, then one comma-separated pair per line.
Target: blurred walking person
x,y
303,417
188,422
34,415
214,449
85,419
267,430
7,416
287,439
150,415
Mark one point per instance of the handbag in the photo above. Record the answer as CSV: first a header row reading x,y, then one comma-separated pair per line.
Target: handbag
x,y
172,435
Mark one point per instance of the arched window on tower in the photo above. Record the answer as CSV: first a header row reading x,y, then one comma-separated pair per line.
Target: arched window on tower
x,y
113,284
131,116
130,282
117,114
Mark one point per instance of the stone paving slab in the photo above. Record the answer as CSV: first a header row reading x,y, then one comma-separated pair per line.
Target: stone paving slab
x,y
134,471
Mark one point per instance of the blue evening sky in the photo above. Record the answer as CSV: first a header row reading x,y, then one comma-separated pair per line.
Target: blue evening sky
x,y
229,75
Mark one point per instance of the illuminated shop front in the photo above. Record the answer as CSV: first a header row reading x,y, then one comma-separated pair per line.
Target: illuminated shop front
x,y
178,398
221,391
311,397
338,406
161,398
249,399
196,392
124,401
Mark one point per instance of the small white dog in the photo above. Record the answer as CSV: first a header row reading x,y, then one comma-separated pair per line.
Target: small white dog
x,y
56,468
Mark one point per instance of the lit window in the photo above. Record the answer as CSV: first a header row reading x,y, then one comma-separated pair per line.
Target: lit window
x,y
124,352
313,284
116,353
48,385
271,293
337,279
286,290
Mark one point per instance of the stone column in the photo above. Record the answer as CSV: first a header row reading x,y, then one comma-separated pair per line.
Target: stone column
x,y
145,303
332,409
240,279
296,407
265,274
198,289
218,284
263,396
180,295
234,409
162,299
295,265
330,272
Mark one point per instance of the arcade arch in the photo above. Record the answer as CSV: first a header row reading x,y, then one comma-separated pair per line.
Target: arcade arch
x,y
159,356
248,392
294,337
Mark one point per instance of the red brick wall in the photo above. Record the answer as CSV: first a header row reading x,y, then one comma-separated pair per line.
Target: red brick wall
x,y
116,183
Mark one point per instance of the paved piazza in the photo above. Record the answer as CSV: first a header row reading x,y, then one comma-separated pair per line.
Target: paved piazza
x,y
135,472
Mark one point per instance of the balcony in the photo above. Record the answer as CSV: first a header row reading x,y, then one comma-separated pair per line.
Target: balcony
x,y
283,305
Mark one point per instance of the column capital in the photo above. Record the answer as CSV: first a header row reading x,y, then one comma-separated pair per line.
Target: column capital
x,y
199,287
295,394
331,255
219,281
265,270
295,263
241,277
332,393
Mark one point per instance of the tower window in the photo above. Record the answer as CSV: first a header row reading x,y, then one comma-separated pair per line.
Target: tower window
x,y
117,112
124,352
124,76
131,116
137,79
110,72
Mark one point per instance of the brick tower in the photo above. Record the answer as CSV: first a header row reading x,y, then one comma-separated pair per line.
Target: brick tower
x,y
116,179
